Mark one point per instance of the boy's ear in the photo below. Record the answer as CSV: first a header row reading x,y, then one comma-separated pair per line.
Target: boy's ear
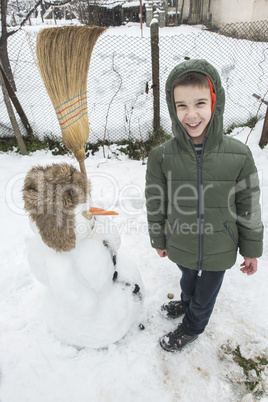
x,y
213,95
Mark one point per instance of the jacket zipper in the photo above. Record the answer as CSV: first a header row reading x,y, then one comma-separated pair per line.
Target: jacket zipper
x,y
231,233
200,205
172,229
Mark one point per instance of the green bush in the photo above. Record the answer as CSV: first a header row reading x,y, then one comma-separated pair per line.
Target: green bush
x,y
33,144
134,149
139,150
250,123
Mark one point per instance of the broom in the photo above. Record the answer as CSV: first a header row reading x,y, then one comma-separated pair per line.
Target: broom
x,y
63,56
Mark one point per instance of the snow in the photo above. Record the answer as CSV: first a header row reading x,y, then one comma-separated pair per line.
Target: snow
x,y
133,29
130,29
34,365
154,21
37,367
84,306
130,4
120,96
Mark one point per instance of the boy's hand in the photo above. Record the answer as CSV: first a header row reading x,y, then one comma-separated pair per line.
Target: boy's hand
x,y
161,253
249,266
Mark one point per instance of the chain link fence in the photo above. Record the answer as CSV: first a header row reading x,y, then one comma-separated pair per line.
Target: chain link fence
x,y
254,31
120,87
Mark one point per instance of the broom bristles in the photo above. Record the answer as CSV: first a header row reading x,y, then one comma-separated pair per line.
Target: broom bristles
x,y
63,57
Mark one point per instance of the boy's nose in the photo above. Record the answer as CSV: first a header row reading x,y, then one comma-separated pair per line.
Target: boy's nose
x,y
191,112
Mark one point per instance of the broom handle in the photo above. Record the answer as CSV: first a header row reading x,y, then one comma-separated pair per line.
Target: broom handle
x,y
80,157
83,168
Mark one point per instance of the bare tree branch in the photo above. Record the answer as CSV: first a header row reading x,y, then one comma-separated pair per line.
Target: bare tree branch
x,y
25,19
107,114
256,118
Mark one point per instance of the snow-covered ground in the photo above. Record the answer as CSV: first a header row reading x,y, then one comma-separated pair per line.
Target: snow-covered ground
x,y
36,367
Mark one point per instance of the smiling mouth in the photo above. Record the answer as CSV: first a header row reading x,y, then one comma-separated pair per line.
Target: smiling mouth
x,y
193,126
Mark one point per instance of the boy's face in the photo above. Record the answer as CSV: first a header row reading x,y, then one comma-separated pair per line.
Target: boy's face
x,y
193,107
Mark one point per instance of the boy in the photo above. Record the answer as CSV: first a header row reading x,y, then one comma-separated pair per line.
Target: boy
x,y
202,196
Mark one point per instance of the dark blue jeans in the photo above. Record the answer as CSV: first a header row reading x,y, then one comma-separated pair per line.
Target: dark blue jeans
x,y
199,293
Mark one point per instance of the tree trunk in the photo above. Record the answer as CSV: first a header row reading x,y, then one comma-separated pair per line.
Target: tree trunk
x,y
4,59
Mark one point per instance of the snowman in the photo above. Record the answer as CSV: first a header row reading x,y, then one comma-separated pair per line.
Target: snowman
x,y
92,294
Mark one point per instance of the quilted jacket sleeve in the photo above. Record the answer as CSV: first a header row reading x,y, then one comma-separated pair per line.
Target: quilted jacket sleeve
x,y
156,200
250,227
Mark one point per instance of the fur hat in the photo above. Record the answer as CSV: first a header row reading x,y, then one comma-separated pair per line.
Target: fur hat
x,y
50,195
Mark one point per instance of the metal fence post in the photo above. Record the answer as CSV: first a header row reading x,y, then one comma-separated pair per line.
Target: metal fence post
x,y
155,72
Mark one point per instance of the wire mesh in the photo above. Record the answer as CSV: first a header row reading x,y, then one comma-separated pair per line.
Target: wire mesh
x,y
120,94
255,31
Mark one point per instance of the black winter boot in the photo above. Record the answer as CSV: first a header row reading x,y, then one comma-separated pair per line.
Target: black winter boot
x,y
176,340
173,309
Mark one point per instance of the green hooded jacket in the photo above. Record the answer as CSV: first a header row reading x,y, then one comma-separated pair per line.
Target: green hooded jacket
x,y
202,210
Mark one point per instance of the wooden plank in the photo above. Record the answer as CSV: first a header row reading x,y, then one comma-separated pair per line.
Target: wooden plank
x,y
264,134
16,103
155,73
12,116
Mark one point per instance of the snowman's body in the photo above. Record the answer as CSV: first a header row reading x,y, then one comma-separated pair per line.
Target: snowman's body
x,y
84,304
87,302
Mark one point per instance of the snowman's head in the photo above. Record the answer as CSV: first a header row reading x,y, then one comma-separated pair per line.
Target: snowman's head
x,y
52,195
84,221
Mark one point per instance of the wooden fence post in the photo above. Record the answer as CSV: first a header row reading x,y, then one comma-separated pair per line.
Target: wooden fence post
x,y
155,73
264,134
16,103
12,116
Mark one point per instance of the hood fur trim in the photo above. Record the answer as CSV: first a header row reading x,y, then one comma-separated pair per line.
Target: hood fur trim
x,y
50,195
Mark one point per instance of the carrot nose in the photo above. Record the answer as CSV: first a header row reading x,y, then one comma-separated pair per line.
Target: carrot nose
x,y
100,211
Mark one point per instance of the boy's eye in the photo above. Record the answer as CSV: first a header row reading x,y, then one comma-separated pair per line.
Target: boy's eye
x,y
180,106
201,103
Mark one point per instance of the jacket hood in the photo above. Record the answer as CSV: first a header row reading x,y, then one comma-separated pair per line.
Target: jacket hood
x,y
215,129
